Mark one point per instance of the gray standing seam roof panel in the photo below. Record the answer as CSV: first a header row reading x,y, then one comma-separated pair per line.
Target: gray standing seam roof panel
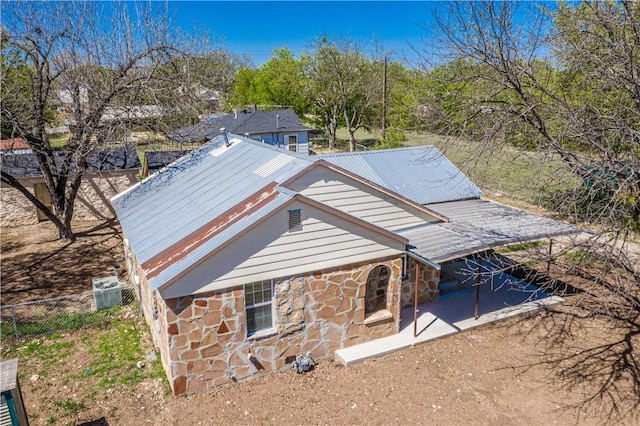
x,y
177,267
422,174
212,180
199,187
478,225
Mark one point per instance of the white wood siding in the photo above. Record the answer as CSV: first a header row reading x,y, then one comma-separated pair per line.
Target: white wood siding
x,y
350,196
271,251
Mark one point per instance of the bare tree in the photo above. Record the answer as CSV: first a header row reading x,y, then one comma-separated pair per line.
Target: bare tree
x,y
105,65
565,82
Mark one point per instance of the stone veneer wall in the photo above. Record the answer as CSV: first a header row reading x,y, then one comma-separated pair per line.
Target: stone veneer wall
x,y
206,338
92,201
428,281
153,307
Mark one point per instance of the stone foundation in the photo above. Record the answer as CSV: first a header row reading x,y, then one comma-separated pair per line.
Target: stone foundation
x,y
203,338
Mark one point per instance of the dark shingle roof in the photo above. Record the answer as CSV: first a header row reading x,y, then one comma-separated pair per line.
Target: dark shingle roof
x,y
155,160
98,160
245,121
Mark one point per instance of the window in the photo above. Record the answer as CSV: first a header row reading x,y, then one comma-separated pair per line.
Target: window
x,y
377,283
292,143
295,220
258,301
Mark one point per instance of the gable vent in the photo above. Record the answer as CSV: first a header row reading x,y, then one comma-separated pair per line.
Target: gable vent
x,y
295,220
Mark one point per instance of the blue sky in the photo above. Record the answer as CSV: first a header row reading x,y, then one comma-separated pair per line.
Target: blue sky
x,y
255,28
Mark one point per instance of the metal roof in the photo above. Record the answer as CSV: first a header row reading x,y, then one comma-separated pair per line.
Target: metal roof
x,y
204,199
422,174
174,268
205,185
478,225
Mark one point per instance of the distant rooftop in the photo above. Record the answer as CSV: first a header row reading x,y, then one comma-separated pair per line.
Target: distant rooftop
x,y
23,165
241,122
13,144
155,160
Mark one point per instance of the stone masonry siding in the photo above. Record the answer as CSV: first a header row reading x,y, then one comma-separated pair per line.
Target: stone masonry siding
x,y
427,284
207,343
92,201
153,307
15,209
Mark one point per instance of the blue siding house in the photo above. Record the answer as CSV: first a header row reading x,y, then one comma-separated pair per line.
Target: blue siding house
x,y
281,128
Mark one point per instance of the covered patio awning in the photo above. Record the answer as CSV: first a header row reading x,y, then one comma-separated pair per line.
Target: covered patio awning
x,y
476,226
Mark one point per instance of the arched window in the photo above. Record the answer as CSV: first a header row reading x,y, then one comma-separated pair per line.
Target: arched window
x,y
377,283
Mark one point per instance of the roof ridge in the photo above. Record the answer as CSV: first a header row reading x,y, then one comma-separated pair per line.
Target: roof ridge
x,y
377,151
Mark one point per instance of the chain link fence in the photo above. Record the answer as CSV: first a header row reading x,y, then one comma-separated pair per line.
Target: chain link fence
x,y
67,313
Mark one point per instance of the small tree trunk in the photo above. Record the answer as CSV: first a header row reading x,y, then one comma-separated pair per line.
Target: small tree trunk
x,y
352,140
332,140
332,128
348,124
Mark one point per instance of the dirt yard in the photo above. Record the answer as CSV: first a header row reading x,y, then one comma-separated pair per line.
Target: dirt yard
x,y
37,265
528,370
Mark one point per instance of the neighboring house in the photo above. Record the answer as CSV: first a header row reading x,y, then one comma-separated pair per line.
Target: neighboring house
x,y
211,97
156,160
248,255
109,172
281,128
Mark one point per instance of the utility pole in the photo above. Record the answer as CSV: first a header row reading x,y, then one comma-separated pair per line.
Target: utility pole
x,y
384,99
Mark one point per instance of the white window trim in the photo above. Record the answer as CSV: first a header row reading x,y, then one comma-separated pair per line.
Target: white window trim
x,y
297,144
266,331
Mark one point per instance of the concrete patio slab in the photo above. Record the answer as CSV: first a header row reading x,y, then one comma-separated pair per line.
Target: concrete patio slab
x,y
452,315
432,327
